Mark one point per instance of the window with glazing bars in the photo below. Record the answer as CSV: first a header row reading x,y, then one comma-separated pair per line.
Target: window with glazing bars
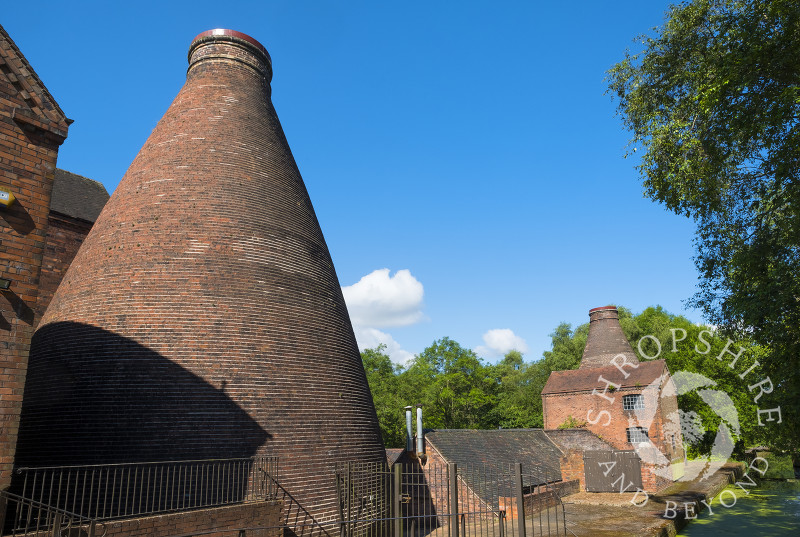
x,y
633,402
637,434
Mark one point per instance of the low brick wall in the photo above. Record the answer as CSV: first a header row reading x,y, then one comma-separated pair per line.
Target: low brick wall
x,y
572,468
541,499
219,521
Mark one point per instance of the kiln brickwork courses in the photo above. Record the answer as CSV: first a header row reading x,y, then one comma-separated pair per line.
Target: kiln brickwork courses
x,y
32,127
203,313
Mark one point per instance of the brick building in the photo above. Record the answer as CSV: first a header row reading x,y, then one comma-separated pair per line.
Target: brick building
x,y
628,403
551,467
32,127
75,205
203,313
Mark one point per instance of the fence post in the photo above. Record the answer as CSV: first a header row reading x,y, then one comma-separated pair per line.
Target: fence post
x,y
340,498
520,499
56,530
452,470
398,490
349,497
3,507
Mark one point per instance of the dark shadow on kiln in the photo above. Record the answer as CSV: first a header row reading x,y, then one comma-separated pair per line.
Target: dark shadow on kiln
x,y
94,397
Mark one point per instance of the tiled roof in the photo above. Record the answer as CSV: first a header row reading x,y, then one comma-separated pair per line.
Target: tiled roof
x,y
501,448
581,439
77,196
41,102
393,454
581,380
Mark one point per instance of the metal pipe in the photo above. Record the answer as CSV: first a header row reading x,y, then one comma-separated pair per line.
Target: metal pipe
x,y
420,435
409,431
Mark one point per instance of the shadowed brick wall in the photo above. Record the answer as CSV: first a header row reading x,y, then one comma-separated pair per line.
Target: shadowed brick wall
x,y
218,522
64,236
32,128
203,313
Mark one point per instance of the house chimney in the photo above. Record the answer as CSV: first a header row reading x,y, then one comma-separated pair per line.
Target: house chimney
x,y
606,339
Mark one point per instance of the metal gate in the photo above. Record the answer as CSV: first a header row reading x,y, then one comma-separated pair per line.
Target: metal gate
x,y
612,471
445,500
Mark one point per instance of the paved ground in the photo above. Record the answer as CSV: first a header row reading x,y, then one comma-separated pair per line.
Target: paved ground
x,y
611,514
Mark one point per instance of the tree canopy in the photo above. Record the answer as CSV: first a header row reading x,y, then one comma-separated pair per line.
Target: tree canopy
x,y
713,104
459,390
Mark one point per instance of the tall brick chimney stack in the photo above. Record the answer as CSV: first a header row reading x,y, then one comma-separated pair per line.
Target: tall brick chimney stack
x,y
202,317
606,339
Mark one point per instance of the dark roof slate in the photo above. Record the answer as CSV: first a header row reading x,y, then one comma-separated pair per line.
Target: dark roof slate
x,y
501,448
583,380
394,454
77,196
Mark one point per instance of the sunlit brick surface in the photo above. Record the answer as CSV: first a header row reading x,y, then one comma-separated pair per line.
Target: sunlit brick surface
x,y
202,317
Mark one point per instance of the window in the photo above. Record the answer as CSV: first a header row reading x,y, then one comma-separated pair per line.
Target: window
x,y
637,435
633,402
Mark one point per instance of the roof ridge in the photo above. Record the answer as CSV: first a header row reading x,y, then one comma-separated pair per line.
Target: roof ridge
x,y
33,75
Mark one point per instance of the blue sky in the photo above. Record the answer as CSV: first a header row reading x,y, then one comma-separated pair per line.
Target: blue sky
x,y
464,161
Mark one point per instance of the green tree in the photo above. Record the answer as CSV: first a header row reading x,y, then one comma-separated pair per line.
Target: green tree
x,y
456,389
519,402
713,103
385,384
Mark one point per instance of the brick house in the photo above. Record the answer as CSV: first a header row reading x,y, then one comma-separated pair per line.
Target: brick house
x,y
42,230
626,402
32,128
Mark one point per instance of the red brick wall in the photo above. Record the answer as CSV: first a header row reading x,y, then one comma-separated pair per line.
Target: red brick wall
x,y
64,236
30,134
222,521
612,427
572,467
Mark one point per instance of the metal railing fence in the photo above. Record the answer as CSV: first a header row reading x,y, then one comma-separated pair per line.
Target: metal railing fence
x,y
447,500
113,491
26,517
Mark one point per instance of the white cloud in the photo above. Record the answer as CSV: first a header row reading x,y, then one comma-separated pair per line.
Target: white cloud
x,y
369,338
500,341
378,299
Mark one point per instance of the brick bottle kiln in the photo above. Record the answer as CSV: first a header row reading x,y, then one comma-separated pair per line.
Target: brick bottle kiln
x,y
202,317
